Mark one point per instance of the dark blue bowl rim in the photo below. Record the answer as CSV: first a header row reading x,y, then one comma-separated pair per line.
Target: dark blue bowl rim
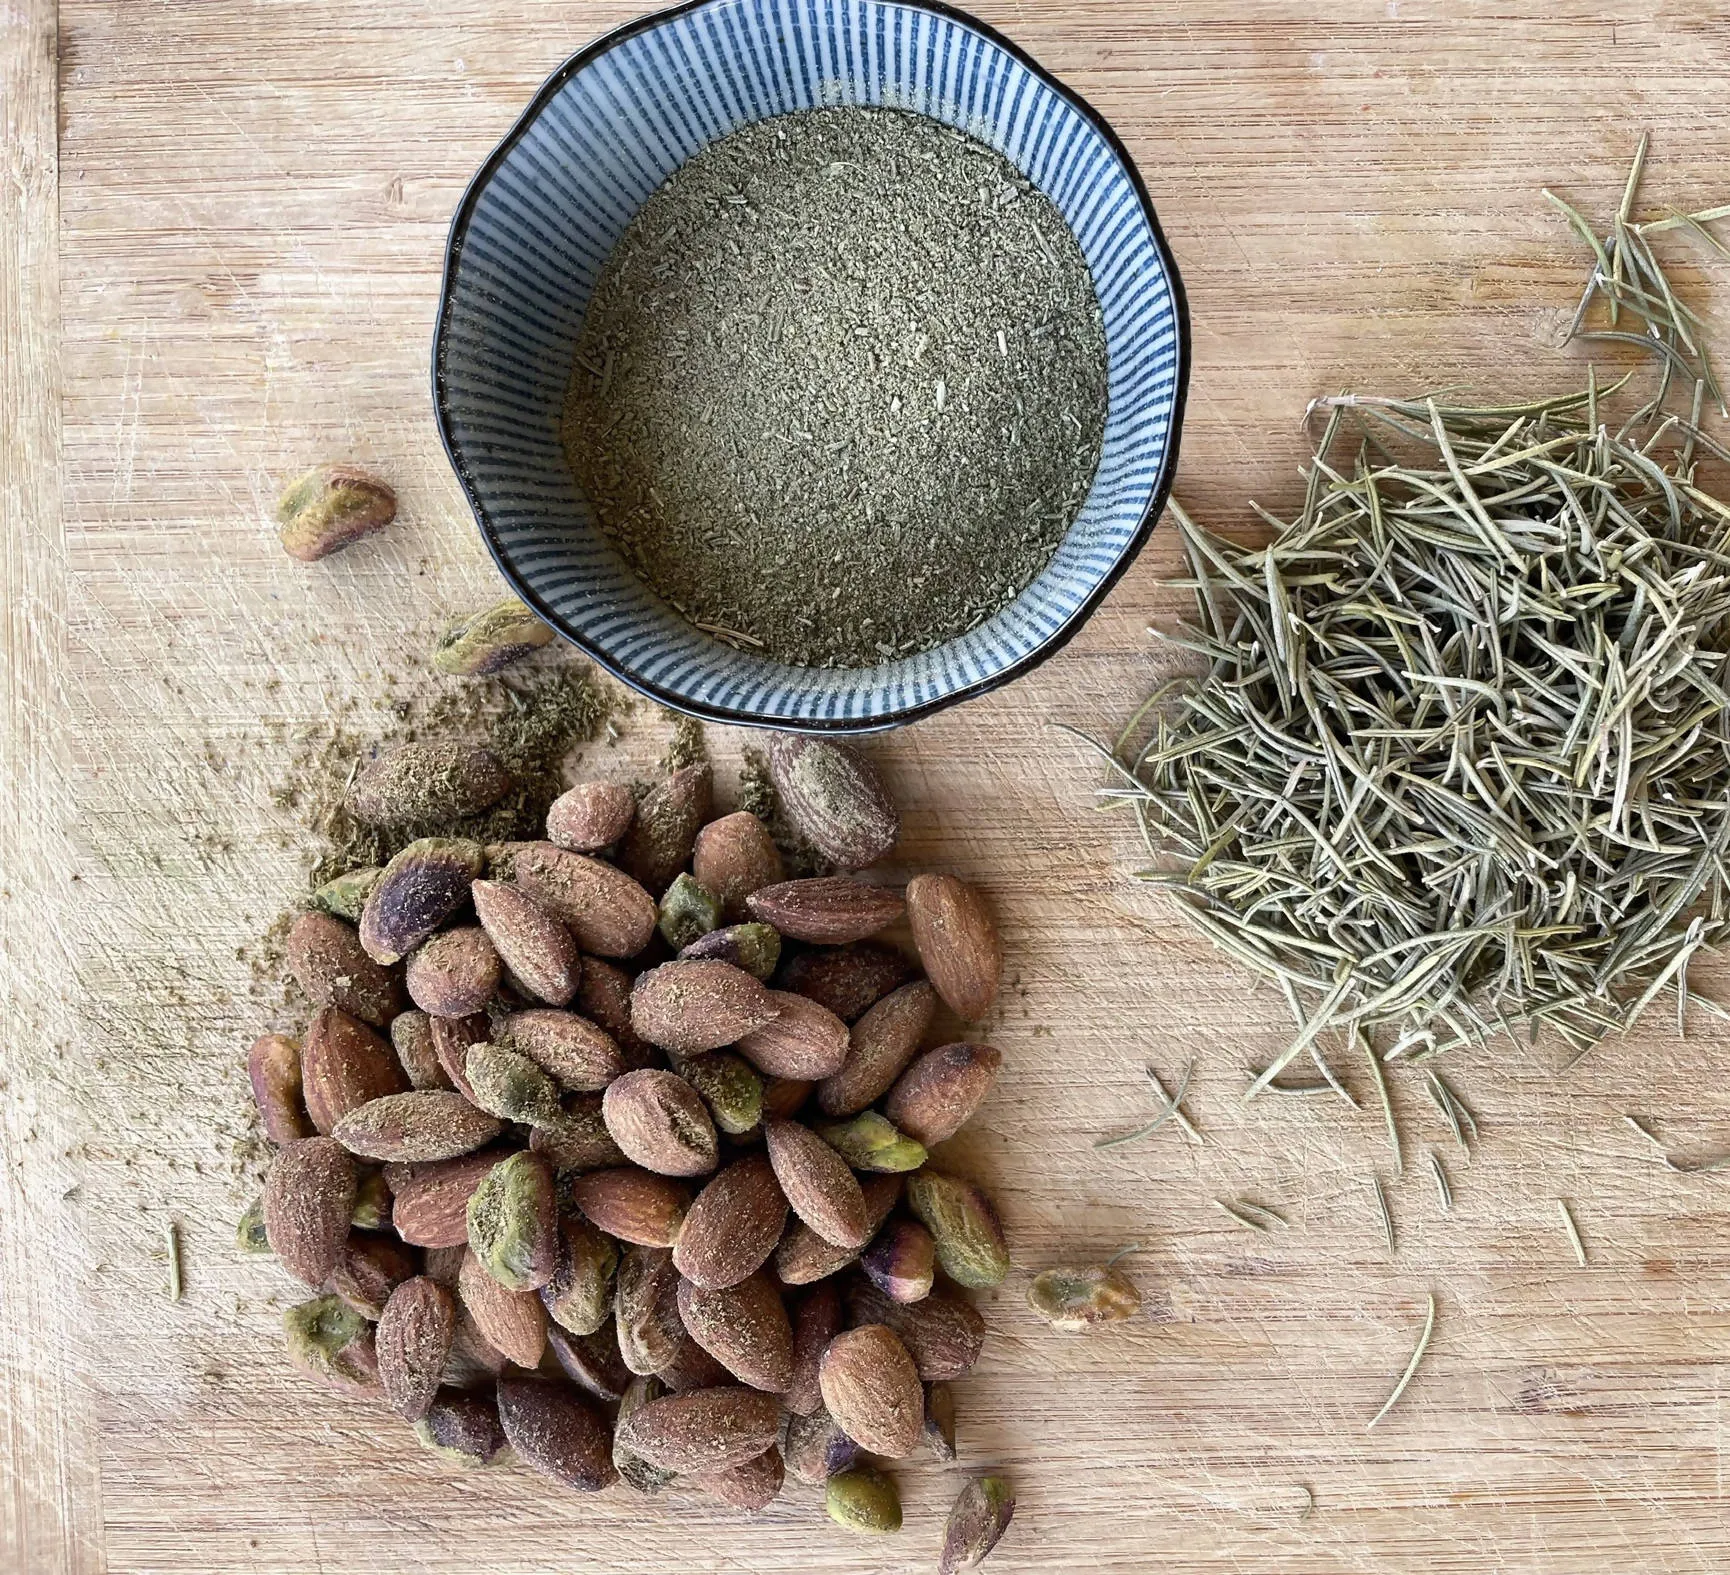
x,y
1041,653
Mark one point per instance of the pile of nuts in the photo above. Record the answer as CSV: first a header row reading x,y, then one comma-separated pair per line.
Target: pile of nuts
x,y
613,1147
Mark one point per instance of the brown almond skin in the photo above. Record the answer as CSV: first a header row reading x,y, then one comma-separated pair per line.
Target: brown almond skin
x,y
750,1487
733,857
610,914
421,888
662,836
427,782
411,1035
604,997
820,1187
745,1328
513,1322
416,1127
344,1065
370,1268
592,816
943,1334
556,1432
938,1094
691,1367
804,1257
591,1360
831,910
691,1007
273,1066
661,1123
329,963
833,794
453,1038
871,1387
308,1203
958,943
454,974
849,980
413,1343
732,1228
785,1097
634,1205
880,1045
703,1429
902,1261
578,1139
473,1356
803,1040
817,1319
332,507
462,1427
431,1203
534,944
646,1309
568,1048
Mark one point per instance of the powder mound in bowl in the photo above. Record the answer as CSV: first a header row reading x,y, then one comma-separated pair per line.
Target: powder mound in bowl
x,y
842,387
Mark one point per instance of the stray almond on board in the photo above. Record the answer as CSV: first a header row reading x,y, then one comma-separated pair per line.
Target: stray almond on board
x,y
958,943
835,797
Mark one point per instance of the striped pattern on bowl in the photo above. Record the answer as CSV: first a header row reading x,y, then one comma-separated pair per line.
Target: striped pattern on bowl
x,y
546,210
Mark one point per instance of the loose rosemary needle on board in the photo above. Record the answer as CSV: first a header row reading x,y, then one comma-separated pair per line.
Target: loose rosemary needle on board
x,y
1411,1366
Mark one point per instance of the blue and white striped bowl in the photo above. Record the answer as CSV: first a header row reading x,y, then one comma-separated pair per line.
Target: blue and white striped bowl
x,y
549,205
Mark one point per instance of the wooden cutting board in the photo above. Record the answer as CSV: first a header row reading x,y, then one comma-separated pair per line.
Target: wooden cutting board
x,y
221,226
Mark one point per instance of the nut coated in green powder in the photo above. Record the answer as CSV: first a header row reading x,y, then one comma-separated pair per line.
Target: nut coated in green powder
x,y
842,387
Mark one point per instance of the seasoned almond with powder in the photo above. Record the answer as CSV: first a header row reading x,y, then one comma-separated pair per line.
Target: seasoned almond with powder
x,y
733,1226
661,1123
308,1203
328,962
413,1343
592,816
556,1432
514,1323
830,910
833,794
344,1065
704,1429
570,1049
879,1047
634,1205
745,1328
937,1096
822,1190
804,1257
734,857
871,1387
690,1007
957,941
273,1067
534,944
454,974
610,914
803,1040
416,1126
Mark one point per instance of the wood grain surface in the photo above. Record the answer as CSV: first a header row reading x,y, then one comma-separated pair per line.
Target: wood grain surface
x,y
221,226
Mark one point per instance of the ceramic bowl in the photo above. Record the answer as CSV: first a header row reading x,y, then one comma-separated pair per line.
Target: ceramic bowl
x,y
549,205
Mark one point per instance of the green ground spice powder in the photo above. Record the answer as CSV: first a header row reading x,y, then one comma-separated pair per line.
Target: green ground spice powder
x,y
842,387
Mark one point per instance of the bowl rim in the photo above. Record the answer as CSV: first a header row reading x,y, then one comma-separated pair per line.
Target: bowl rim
x,y
906,715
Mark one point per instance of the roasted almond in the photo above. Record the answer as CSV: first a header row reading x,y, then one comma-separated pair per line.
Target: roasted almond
x,y
744,1328
610,914
634,1205
577,1138
328,1340
411,1036
704,1429
937,1096
513,1222
511,1086
804,1257
661,1123
785,1097
453,1038
273,1066
902,1261
513,1322
969,1234
420,888
803,1040
308,1203
454,974
592,816
816,1448
750,1487
733,1226
849,980
835,797
416,1126
474,1358
332,507
462,1428
413,1342
664,832
958,943
690,1007
534,944
879,1047
431,1203
423,783
591,1360
646,1309
817,1319
733,857
604,997
579,1296
328,962
370,1268
344,1065
556,1432
943,1333
830,910
570,1049
820,1187
871,1387
691,1367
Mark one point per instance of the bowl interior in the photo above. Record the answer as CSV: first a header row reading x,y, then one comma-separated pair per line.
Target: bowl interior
x,y
547,210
